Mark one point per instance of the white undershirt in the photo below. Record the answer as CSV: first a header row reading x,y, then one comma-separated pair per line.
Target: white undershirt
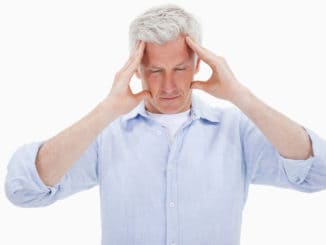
x,y
171,121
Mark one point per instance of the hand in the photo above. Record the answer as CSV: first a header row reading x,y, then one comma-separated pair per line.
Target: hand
x,y
121,95
222,83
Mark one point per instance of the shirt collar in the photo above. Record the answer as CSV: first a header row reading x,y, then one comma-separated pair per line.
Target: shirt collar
x,y
199,109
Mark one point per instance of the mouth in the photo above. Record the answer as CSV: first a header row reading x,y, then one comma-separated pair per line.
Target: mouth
x,y
169,98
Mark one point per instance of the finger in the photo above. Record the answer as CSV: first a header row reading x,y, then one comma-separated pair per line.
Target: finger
x,y
132,55
197,85
143,94
136,59
139,53
124,75
203,53
133,62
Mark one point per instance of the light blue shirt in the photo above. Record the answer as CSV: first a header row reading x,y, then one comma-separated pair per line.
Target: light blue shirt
x,y
190,193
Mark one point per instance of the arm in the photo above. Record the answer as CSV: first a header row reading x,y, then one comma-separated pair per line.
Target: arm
x,y
56,155
289,138
276,150
42,172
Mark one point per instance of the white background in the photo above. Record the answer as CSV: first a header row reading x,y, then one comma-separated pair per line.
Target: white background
x,y
57,62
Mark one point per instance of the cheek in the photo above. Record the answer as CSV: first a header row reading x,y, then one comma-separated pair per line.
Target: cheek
x,y
149,80
185,77
153,83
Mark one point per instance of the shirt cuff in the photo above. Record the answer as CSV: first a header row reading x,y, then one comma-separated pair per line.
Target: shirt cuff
x,y
297,170
23,183
33,171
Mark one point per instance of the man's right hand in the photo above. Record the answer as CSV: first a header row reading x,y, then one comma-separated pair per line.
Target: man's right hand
x,y
57,154
121,95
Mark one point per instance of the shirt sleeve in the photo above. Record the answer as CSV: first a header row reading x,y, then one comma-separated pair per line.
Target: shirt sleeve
x,y
264,165
24,187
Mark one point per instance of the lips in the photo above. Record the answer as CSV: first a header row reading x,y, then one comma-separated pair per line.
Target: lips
x,y
169,98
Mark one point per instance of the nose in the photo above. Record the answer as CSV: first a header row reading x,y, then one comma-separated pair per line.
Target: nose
x,y
169,87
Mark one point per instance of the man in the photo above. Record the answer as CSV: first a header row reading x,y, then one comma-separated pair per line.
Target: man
x,y
171,169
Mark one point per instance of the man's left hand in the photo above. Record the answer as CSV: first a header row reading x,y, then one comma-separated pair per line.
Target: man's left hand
x,y
222,83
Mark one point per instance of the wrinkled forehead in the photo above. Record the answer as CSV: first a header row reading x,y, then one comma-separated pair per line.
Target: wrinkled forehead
x,y
172,53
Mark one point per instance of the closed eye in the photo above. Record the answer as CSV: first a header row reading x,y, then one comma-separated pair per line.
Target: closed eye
x,y
177,69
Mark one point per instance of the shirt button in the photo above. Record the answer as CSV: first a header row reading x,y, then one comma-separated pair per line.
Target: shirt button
x,y
171,206
172,243
297,179
158,132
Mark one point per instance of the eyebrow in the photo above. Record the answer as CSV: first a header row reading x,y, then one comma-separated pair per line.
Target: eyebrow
x,y
157,67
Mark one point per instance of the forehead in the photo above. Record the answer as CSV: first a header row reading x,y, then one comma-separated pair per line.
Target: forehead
x,y
171,53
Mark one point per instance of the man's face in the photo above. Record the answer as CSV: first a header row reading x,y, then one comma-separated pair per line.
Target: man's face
x,y
167,72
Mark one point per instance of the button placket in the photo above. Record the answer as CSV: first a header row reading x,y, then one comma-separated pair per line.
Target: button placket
x,y
171,195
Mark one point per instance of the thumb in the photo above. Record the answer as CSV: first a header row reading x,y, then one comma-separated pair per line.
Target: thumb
x,y
143,95
197,85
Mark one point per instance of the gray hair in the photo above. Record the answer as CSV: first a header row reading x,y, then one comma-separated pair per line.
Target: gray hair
x,y
162,24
